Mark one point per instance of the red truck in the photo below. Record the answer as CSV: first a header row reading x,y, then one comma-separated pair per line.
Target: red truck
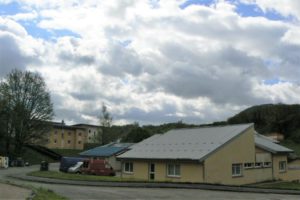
x,y
97,167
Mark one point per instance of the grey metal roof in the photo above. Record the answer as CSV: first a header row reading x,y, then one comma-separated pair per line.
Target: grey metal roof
x,y
190,144
269,145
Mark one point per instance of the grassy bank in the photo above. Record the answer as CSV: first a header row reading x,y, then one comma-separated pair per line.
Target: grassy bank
x,y
78,177
281,185
46,194
68,152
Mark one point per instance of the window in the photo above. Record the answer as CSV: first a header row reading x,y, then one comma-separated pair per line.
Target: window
x,y
69,141
55,132
236,169
267,164
173,170
55,141
248,165
89,131
128,167
79,133
69,133
258,165
282,166
79,142
90,138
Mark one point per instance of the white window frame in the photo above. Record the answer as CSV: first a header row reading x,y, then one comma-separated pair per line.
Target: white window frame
x,y
258,165
236,169
173,170
128,167
267,164
282,168
249,165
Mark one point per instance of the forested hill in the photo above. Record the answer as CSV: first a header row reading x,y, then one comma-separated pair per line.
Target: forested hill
x,y
272,118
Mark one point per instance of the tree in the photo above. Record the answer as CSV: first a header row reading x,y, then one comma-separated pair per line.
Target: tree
x,y
105,117
25,109
105,122
136,135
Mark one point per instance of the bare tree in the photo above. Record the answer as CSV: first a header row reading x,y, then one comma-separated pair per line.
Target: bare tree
x,y
25,109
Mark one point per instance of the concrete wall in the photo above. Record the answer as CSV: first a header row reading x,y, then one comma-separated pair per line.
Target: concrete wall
x,y
189,172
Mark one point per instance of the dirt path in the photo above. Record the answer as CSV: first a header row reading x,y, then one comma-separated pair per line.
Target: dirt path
x,y
13,192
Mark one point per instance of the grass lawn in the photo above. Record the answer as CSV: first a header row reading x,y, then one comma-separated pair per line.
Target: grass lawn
x,y
45,194
68,152
67,176
281,185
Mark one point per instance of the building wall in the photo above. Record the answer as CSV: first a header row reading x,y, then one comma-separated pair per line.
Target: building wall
x,y
65,138
218,166
189,172
278,175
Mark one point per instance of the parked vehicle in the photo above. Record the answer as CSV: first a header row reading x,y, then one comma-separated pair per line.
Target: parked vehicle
x,y
67,162
4,162
19,162
76,168
97,167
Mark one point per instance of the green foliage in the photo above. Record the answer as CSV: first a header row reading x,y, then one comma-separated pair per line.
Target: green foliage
x,y
269,118
25,108
46,194
136,135
68,152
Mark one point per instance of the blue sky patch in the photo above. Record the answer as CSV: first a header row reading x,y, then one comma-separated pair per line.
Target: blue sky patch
x,y
251,10
196,2
273,81
38,32
10,9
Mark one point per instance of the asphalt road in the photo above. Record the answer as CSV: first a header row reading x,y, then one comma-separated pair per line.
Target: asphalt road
x,y
118,193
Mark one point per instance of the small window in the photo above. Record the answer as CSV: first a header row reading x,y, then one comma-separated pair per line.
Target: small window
x,y
248,165
79,142
79,133
69,142
258,165
69,133
89,131
173,170
236,169
90,138
282,166
267,164
55,141
128,167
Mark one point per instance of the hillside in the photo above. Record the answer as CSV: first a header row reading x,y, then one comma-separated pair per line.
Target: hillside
x,y
269,118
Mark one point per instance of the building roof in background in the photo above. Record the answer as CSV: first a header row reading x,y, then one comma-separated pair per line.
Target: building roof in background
x,y
106,150
187,144
89,125
269,145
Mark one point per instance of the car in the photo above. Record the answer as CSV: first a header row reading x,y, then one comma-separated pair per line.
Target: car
x,y
97,167
67,162
76,168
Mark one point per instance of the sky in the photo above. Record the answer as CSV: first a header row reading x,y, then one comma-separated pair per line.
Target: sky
x,y
155,61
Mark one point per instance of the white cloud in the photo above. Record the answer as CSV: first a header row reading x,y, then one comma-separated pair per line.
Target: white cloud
x,y
156,63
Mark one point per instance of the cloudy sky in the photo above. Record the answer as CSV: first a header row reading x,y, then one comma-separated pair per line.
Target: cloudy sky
x,y
155,61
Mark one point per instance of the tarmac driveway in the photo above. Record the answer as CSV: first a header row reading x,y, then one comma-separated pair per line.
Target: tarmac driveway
x,y
117,193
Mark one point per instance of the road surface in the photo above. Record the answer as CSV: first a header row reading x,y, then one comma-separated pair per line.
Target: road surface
x,y
117,193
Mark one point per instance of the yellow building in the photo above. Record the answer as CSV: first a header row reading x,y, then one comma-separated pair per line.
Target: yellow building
x,y
62,136
233,155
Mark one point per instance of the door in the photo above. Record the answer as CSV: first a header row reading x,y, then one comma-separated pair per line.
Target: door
x,y
151,171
